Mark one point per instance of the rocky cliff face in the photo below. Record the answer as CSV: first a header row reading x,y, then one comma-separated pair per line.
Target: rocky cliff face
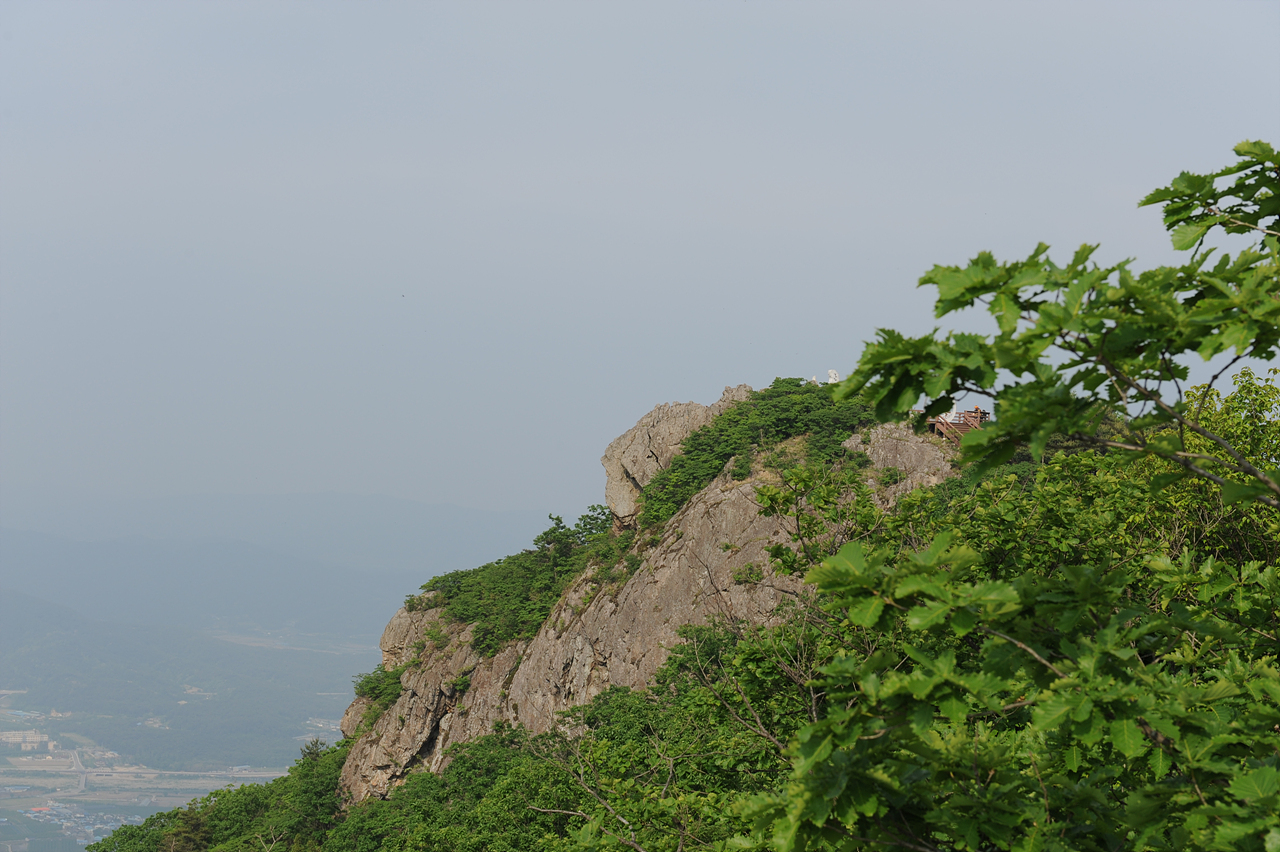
x,y
595,638
636,455
922,460
601,633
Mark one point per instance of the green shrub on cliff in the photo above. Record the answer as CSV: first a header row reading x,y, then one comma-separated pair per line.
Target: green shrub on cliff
x,y
785,409
509,599
295,811
381,687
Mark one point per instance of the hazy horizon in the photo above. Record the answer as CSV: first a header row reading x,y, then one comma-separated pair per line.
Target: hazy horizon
x,y
445,253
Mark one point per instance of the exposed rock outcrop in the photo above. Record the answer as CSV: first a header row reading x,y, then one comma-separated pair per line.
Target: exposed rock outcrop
x,y
597,636
602,632
636,455
920,459
351,719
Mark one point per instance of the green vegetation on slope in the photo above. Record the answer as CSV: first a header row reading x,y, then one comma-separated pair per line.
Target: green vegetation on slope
x,y
509,599
1054,627
785,409
1056,657
381,687
296,811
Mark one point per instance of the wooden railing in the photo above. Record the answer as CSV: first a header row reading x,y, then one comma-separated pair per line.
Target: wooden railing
x,y
957,424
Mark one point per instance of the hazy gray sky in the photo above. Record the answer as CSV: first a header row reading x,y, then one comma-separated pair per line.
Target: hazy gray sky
x,y
446,252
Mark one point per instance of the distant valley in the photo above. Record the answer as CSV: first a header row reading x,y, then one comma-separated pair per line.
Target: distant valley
x,y
209,632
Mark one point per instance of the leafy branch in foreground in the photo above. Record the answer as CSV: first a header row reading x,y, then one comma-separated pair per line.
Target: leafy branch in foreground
x,y
1087,707
1080,343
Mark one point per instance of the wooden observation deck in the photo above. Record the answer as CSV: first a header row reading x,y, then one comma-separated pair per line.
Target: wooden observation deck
x,y
956,424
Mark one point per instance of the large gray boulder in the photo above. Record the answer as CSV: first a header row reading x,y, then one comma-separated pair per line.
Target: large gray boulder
x,y
632,459
922,460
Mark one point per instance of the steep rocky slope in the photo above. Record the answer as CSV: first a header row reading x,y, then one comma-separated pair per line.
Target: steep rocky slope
x,y
602,633
921,460
636,455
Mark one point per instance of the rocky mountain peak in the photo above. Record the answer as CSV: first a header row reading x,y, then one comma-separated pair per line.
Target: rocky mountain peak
x,y
613,625
632,458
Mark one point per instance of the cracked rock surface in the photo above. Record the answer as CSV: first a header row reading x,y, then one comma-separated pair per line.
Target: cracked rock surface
x,y
599,635
602,633
632,458
922,459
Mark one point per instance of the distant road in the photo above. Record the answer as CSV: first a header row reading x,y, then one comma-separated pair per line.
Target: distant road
x,y
154,772
75,760
83,772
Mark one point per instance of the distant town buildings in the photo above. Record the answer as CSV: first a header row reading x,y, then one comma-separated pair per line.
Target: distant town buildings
x,y
26,740
75,826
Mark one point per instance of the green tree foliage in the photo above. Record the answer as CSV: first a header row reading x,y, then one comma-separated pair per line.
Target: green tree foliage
x,y
1061,658
311,797
995,513
786,409
666,769
1068,686
1044,656
1080,342
482,801
138,838
509,599
293,812
823,507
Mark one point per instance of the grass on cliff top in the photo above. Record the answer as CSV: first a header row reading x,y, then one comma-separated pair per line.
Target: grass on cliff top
x,y
509,599
785,409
